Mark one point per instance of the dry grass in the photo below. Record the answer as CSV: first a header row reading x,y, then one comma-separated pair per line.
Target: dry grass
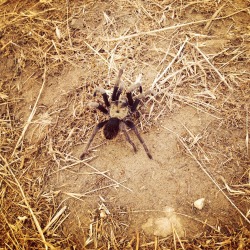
x,y
43,37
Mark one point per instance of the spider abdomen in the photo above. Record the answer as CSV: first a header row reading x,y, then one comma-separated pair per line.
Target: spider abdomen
x,y
111,128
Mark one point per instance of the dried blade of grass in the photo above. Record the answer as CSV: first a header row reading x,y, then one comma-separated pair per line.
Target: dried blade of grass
x,y
213,67
233,58
137,240
12,234
33,216
152,243
57,51
68,167
171,63
113,239
3,96
77,195
213,17
54,219
198,62
230,190
208,174
195,103
32,112
22,16
178,238
68,29
247,131
106,176
204,223
2,2
107,62
130,243
175,247
184,215
96,52
59,223
156,243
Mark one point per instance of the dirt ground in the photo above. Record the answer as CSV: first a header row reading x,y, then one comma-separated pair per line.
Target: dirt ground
x,y
193,56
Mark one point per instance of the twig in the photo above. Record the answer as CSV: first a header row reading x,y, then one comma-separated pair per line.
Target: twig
x,y
213,17
54,219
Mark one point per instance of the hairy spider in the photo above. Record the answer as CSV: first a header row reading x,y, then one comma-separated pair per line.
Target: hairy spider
x,y
119,110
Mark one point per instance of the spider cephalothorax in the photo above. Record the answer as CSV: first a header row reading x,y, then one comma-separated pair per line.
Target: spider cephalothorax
x,y
119,110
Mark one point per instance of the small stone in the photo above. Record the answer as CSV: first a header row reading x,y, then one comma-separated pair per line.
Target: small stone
x,y
199,204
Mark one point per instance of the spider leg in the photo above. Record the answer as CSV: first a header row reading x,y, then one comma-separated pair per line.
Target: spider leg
x,y
131,89
131,125
130,99
116,87
98,106
123,129
135,105
104,95
137,100
129,93
96,129
119,91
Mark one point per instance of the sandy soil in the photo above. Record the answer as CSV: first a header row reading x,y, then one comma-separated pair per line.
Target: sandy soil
x,y
194,107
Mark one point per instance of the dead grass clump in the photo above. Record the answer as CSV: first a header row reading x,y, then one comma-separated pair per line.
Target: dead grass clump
x,y
34,29
29,217
28,214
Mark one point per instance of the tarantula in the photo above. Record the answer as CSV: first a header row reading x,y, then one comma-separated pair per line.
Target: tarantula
x,y
119,110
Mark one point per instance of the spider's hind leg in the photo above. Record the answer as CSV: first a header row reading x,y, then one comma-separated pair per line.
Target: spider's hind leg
x,y
131,125
96,129
123,129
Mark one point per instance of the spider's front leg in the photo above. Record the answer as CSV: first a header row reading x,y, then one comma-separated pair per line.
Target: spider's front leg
x,y
96,129
117,89
131,102
134,103
98,106
104,95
